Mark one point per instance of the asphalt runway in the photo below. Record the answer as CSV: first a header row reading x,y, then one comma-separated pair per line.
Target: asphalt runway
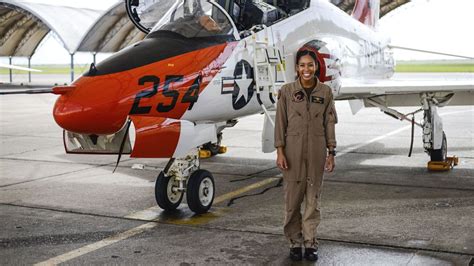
x,y
378,208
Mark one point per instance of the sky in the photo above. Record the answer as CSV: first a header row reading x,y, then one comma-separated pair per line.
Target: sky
x,y
436,25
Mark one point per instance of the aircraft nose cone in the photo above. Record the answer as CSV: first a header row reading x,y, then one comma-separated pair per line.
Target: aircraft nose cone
x,y
93,107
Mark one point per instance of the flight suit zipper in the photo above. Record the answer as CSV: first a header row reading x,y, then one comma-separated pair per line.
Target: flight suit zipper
x,y
308,119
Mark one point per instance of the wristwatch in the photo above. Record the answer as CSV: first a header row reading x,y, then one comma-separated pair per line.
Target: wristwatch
x,y
332,152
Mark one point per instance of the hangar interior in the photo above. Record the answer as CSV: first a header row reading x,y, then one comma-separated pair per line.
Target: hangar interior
x,y
24,25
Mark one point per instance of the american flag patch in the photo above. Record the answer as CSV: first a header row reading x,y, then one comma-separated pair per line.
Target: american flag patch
x,y
228,85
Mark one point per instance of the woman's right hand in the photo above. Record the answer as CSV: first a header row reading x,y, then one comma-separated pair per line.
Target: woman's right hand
x,y
281,160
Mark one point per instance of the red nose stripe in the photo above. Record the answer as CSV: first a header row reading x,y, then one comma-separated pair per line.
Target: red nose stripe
x,y
156,137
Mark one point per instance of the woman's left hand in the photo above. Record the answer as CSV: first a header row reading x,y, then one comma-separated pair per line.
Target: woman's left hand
x,y
330,164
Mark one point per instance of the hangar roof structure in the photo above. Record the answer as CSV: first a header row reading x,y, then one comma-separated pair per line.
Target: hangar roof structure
x,y
114,30
111,32
23,25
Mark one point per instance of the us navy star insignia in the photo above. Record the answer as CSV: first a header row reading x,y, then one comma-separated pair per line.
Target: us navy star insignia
x,y
240,85
244,84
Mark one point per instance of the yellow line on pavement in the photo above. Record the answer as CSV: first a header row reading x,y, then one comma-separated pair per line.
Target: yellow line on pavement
x,y
97,245
153,214
237,192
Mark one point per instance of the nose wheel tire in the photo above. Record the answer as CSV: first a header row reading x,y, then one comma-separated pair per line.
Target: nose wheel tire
x,y
440,155
200,192
166,193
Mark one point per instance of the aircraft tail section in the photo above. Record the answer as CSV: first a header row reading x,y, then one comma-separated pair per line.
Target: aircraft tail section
x,y
367,12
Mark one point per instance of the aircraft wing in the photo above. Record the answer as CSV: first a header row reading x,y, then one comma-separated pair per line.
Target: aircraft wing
x,y
406,90
19,68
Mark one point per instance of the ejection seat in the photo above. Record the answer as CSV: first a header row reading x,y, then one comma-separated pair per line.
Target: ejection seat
x,y
248,13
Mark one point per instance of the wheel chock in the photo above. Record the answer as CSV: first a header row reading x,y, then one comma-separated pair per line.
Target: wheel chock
x,y
443,166
203,154
222,149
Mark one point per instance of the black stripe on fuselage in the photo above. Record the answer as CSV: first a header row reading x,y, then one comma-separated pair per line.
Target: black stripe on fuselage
x,y
155,47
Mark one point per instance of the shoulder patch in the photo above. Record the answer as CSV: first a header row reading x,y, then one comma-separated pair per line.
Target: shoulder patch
x,y
298,96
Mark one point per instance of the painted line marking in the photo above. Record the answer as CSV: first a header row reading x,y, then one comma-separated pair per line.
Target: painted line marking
x,y
151,212
97,245
358,146
248,188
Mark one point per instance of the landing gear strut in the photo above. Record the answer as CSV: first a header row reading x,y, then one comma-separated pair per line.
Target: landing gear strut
x,y
182,175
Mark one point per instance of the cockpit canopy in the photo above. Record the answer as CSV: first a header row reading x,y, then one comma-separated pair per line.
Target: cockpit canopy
x,y
196,19
221,19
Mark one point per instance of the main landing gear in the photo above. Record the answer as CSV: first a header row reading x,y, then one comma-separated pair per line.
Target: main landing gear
x,y
182,175
434,139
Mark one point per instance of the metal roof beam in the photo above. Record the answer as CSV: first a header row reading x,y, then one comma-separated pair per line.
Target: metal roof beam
x,y
16,26
112,32
8,15
26,47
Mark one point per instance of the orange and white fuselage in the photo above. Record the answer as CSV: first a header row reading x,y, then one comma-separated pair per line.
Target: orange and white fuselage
x,y
166,83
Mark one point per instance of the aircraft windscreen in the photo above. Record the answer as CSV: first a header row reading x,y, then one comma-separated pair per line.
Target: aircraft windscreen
x,y
197,18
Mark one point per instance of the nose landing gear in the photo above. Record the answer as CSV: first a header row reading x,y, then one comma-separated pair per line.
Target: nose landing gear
x,y
182,175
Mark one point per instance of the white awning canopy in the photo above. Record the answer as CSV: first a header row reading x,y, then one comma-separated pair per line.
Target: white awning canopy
x,y
23,26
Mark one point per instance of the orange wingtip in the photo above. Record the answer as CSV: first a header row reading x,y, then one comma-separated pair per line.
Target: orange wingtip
x,y
63,89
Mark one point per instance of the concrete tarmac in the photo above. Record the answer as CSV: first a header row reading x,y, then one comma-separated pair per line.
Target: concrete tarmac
x,y
378,208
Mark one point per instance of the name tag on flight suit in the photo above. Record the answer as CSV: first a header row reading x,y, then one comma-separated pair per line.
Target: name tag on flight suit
x,y
316,99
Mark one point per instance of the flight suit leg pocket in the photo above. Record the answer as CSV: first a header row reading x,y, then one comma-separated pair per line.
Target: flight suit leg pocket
x,y
293,153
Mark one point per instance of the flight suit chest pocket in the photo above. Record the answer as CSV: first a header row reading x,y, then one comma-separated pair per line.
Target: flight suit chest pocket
x,y
298,107
297,115
317,107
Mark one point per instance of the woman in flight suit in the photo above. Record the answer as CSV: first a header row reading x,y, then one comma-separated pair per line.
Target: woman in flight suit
x,y
305,141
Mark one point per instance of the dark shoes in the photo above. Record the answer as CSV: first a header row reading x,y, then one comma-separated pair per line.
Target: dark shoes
x,y
311,254
295,254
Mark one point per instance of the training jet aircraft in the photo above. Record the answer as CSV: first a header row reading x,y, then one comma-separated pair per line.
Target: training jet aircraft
x,y
205,63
